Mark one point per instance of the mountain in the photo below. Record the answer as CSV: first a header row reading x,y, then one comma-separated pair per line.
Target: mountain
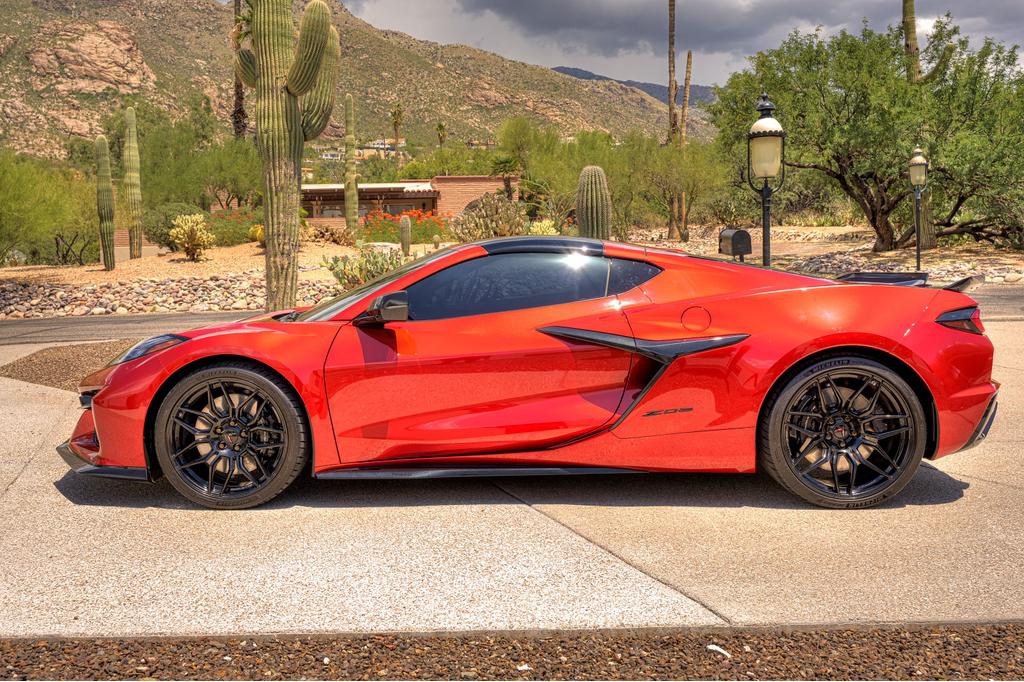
x,y
699,94
66,63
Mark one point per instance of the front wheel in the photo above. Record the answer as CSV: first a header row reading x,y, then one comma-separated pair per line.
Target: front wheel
x,y
845,433
230,436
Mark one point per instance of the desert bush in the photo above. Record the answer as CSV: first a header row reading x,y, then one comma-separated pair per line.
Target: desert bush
x,y
327,234
493,215
231,227
365,266
258,234
158,222
191,234
544,228
384,227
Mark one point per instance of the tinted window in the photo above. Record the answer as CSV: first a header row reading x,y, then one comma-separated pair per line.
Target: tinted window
x,y
627,274
511,281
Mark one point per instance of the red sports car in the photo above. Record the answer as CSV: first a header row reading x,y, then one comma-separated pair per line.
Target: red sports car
x,y
532,356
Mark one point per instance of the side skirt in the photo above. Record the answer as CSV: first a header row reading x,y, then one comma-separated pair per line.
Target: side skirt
x,y
467,472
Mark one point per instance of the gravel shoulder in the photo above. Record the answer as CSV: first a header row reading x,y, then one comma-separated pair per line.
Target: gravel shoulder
x,y
940,652
63,366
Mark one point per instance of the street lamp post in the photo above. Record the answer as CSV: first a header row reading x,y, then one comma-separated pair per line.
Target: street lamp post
x,y
919,181
766,154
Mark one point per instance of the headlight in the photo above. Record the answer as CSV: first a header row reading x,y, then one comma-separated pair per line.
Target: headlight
x,y
149,346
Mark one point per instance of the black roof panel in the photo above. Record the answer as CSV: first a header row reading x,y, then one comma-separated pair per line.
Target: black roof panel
x,y
543,245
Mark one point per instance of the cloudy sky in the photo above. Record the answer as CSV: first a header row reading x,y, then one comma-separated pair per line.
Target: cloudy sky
x,y
625,38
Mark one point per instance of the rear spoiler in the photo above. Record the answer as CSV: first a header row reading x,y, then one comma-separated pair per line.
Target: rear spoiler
x,y
908,279
966,284
900,279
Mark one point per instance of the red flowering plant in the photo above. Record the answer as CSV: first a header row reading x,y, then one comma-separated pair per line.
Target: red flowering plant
x,y
384,227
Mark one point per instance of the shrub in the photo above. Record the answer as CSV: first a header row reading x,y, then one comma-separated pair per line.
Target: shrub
x,y
493,215
384,227
157,223
365,266
544,228
257,233
326,234
191,235
231,227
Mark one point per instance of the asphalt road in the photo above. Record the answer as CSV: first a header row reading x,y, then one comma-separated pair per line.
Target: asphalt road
x,y
102,557
1004,302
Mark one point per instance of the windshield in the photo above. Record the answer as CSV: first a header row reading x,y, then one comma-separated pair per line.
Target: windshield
x,y
326,310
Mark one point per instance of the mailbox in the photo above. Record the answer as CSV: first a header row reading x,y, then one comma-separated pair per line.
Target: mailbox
x,y
734,242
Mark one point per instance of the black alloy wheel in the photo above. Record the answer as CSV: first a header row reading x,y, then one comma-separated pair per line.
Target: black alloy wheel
x,y
846,433
231,436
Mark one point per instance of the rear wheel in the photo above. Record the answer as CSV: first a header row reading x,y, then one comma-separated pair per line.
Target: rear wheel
x,y
230,436
845,433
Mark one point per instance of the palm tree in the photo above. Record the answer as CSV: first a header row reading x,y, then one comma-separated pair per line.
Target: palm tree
x,y
239,116
397,119
506,166
442,133
673,86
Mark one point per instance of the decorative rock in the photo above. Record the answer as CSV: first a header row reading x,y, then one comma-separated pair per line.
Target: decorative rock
x,y
1013,277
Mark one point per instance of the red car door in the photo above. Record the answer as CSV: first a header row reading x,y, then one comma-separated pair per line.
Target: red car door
x,y
470,372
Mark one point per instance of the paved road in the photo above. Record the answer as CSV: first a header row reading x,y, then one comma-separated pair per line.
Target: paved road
x,y
94,557
997,301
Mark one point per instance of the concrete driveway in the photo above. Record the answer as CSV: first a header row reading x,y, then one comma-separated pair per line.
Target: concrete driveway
x,y
94,557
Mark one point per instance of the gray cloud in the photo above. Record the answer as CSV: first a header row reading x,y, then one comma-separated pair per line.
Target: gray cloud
x,y
626,38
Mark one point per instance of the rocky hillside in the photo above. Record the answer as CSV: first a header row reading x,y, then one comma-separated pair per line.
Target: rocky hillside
x,y
68,62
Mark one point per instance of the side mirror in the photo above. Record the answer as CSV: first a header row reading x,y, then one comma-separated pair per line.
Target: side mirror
x,y
393,307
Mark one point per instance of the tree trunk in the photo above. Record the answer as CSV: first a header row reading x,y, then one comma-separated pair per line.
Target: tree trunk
x,y
239,116
673,86
929,239
673,218
684,218
684,113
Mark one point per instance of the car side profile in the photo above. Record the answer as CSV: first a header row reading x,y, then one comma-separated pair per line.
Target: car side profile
x,y
538,356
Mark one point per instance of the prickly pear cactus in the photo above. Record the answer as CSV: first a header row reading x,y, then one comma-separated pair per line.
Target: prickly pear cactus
x,y
594,204
295,81
105,202
405,234
351,178
132,184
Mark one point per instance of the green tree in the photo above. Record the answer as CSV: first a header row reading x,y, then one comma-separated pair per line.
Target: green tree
x,y
853,115
231,171
848,109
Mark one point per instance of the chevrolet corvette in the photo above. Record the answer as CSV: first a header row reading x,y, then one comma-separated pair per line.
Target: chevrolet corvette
x,y
538,356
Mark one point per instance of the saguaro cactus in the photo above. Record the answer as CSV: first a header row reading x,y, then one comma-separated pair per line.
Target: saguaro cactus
x,y
105,202
132,184
295,84
913,51
351,177
594,204
405,234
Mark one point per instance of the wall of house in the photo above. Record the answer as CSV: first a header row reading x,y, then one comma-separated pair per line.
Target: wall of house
x,y
458,191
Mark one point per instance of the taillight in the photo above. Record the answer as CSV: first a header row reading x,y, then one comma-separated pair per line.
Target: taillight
x,y
965,319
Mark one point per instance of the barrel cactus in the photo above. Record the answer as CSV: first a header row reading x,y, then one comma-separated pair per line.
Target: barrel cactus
x,y
294,78
405,234
351,184
594,204
132,184
105,202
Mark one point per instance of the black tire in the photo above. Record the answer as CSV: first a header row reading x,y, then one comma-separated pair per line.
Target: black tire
x,y
231,436
844,433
